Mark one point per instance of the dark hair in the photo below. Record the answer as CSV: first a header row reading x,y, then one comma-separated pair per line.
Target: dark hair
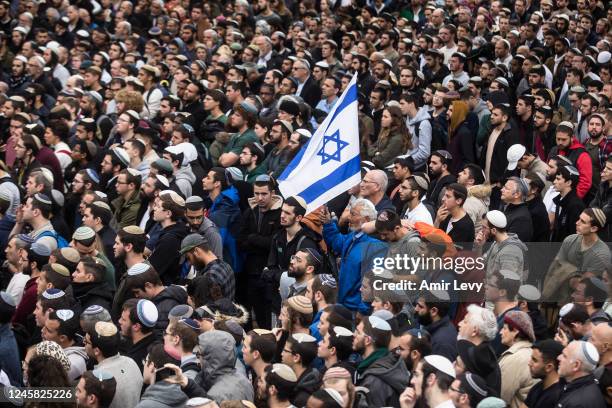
x,y
167,203
220,176
443,380
265,344
138,241
380,338
550,350
59,128
94,267
47,371
159,358
28,140
329,294
297,207
108,345
342,344
68,327
132,179
511,286
337,316
40,260
104,390
55,304
188,336
139,281
44,208
103,214
204,289
306,350
285,389
58,281
328,401
255,152
131,306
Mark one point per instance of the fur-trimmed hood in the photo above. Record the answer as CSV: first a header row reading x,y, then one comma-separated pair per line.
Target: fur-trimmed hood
x,y
481,191
225,310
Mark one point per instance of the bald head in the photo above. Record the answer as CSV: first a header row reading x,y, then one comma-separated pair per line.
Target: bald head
x,y
601,338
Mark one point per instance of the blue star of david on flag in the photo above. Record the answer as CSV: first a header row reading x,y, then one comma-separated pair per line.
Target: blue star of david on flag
x,y
340,144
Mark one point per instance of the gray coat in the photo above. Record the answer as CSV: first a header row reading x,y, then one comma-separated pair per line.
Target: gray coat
x,y
163,394
219,377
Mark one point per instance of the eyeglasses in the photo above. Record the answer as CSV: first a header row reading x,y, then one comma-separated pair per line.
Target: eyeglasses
x,y
459,390
288,351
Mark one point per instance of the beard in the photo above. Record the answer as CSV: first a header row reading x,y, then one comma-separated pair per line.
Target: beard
x,y
121,256
27,270
425,319
295,273
595,135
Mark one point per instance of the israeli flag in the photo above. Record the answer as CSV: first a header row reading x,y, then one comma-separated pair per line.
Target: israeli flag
x,y
329,164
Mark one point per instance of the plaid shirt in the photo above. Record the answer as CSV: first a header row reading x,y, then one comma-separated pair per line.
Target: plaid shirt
x,y
222,274
605,149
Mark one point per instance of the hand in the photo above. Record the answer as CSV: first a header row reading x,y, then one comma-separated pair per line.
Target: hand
x,y
179,377
408,224
561,337
325,215
278,333
408,398
480,238
442,213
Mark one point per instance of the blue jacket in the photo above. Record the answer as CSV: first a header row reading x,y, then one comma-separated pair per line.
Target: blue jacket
x,y
354,249
9,355
225,213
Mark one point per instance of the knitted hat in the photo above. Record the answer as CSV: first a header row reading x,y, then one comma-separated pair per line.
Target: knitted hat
x,y
71,254
300,303
53,293
336,372
54,350
181,311
60,269
147,312
40,249
105,329
520,321
138,268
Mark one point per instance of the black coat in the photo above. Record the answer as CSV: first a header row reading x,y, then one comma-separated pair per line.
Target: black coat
x,y
603,200
462,147
583,392
165,257
567,213
519,221
539,220
499,160
168,298
93,293
255,238
311,92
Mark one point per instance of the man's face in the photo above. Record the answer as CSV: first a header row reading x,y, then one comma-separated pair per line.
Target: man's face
x,y
507,191
583,225
122,186
560,184
263,196
88,218
435,166
125,324
606,173
50,330
39,316
208,182
297,265
194,218
566,360
31,187
119,249
288,217
596,128
80,275
537,366
563,140
454,64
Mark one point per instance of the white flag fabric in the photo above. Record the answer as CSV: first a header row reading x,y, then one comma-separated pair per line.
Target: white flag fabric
x,y
329,164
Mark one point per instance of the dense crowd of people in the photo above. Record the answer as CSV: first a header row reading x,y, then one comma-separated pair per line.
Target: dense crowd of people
x,y
150,260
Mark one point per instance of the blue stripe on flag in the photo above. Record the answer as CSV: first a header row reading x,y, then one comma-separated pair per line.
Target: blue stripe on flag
x,y
342,173
350,97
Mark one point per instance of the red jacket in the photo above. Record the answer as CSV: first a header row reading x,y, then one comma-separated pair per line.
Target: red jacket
x,y
578,154
28,302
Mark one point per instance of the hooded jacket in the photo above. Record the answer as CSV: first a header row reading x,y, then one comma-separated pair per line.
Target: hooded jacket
x,y
219,377
481,110
386,378
78,361
256,231
93,293
353,248
162,394
165,257
421,143
184,179
582,161
506,255
165,300
477,203
225,213
309,382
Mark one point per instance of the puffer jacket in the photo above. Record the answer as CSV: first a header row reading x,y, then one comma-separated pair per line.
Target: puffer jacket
x,y
219,378
477,203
